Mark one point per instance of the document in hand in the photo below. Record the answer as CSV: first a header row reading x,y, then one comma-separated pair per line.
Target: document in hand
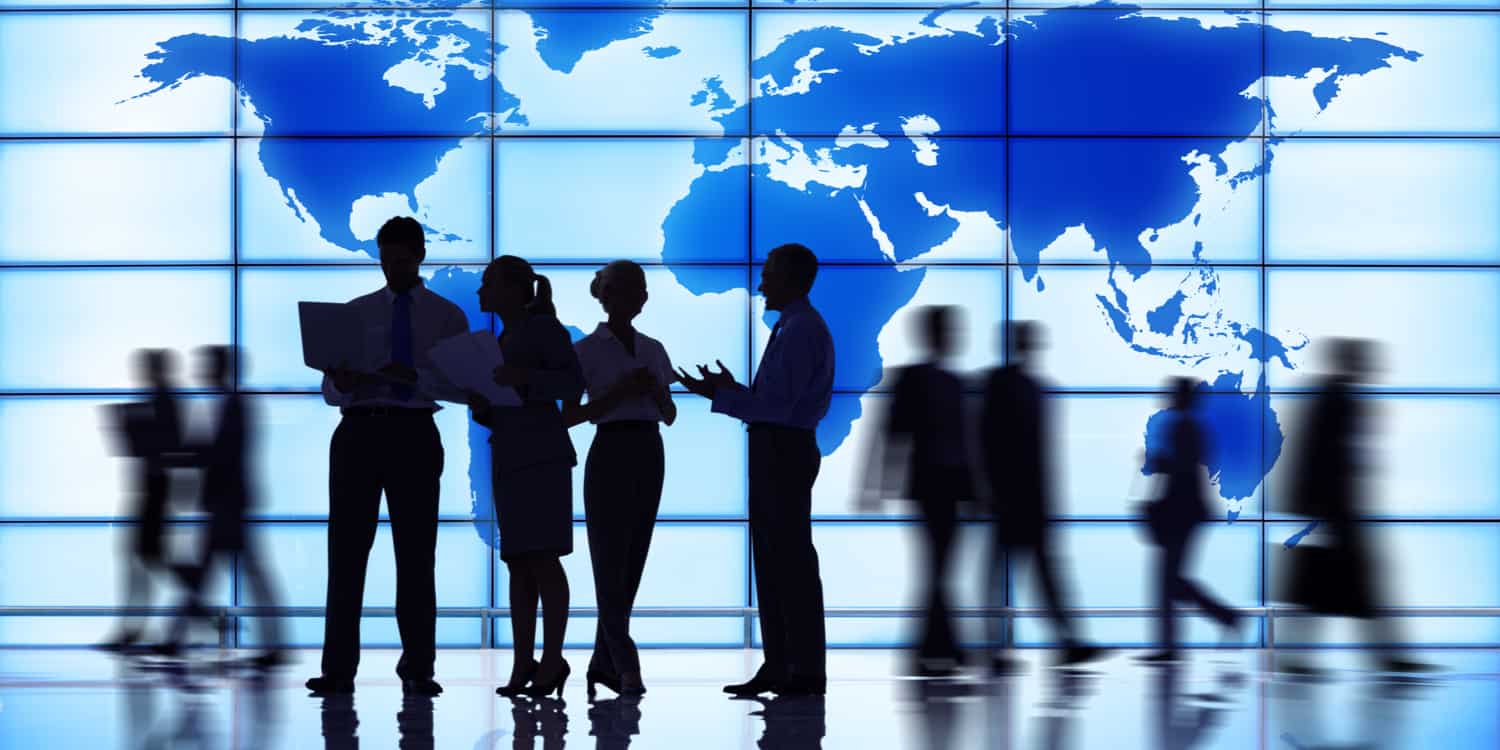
x,y
468,360
332,336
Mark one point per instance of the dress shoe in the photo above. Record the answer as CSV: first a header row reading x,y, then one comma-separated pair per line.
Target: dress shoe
x,y
1004,666
1078,653
325,685
600,677
423,686
631,685
270,659
520,676
1158,657
797,687
763,682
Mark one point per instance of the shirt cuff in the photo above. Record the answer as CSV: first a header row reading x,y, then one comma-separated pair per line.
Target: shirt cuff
x,y
730,401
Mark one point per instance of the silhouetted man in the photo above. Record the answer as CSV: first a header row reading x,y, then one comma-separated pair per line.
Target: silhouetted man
x,y
1015,434
156,434
227,496
1342,578
387,441
782,407
927,410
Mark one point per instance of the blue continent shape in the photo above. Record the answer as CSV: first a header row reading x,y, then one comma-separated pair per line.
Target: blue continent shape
x,y
565,36
333,83
1232,426
830,79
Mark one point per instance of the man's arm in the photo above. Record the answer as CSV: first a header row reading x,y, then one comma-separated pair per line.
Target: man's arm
x,y
782,382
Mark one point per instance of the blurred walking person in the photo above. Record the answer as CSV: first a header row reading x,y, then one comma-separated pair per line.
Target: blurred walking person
x,y
1175,517
1016,449
153,431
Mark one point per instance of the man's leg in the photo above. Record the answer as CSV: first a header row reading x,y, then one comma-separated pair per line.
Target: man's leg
x,y
1053,591
412,491
797,461
354,465
262,591
765,554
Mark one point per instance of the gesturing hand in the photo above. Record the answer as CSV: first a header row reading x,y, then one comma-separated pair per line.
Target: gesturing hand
x,y
721,379
700,386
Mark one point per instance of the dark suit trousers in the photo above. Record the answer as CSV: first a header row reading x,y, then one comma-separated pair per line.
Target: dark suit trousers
x,y
402,456
939,527
783,465
1173,587
622,483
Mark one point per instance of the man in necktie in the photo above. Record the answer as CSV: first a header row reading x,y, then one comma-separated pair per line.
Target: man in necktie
x,y
782,407
387,443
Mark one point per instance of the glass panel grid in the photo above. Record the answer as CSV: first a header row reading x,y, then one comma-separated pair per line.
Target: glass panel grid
x,y
1269,261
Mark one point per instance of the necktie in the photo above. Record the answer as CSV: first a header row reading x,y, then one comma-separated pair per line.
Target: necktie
x,y
401,340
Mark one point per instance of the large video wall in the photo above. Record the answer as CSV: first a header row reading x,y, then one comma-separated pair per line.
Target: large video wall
x,y
1206,188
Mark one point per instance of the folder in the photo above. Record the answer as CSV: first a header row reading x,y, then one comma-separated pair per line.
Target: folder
x,y
332,335
468,360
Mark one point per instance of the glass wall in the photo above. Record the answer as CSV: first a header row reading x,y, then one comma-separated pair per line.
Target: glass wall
x,y
1206,188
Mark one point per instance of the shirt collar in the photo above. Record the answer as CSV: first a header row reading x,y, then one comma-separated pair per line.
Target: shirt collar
x,y
390,296
795,307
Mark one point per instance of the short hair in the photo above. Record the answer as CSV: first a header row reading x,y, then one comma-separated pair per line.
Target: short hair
x,y
628,268
1025,336
1184,392
798,263
220,358
937,322
406,231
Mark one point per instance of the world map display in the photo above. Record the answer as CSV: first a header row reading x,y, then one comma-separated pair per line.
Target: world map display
x,y
876,147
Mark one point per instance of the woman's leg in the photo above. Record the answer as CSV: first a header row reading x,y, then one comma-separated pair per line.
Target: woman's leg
x,y
523,599
601,508
552,585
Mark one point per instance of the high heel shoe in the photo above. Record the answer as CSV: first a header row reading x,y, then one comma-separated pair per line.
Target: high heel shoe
x,y
539,689
601,677
520,676
631,685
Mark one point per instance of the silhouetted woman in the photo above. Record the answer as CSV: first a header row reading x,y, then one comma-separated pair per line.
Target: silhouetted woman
x,y
627,374
533,461
1175,516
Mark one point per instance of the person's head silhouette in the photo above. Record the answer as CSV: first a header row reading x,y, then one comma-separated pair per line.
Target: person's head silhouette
x,y
788,275
510,288
940,331
1026,339
216,366
1352,360
156,368
620,288
403,247
1184,393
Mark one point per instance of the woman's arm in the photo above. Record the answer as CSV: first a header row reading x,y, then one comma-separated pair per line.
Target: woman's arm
x,y
557,376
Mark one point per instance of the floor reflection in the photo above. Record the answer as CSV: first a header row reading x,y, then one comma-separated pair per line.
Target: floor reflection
x,y
1214,699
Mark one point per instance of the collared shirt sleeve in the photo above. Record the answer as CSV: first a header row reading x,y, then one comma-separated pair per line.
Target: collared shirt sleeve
x,y
787,373
430,381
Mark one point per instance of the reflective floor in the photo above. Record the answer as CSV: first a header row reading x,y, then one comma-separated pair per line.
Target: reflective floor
x,y
1229,699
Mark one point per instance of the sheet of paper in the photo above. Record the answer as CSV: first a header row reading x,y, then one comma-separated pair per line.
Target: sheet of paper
x,y
469,360
332,335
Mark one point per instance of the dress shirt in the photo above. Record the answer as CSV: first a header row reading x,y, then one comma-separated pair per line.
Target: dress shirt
x,y
433,318
605,361
794,382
